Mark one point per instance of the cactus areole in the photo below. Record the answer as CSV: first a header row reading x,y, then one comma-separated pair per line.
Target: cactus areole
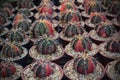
x,y
85,65
46,46
7,69
42,69
80,44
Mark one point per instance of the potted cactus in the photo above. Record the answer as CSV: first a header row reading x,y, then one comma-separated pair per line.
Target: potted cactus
x,y
12,51
91,6
41,28
102,32
42,70
72,30
18,36
10,70
95,19
110,49
46,49
84,68
79,44
113,70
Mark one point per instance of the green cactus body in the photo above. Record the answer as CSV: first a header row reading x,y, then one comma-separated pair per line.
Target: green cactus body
x,y
113,46
7,69
46,46
117,67
26,12
42,69
105,30
24,25
12,50
81,44
41,28
85,66
17,35
73,30
25,4
2,19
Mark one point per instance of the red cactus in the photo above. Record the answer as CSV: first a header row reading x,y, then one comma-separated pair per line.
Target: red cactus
x,y
85,65
7,69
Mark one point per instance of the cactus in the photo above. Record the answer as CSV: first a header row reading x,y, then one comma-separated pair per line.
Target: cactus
x,y
25,4
114,8
113,46
80,44
25,11
117,67
23,25
92,6
42,69
12,50
46,46
105,30
72,29
70,16
42,27
67,5
45,9
97,18
3,19
16,35
6,69
85,65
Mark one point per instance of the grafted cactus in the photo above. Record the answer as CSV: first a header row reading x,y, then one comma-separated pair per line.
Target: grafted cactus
x,y
7,69
85,65
97,18
113,46
81,44
72,30
105,30
42,27
46,46
12,50
42,69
